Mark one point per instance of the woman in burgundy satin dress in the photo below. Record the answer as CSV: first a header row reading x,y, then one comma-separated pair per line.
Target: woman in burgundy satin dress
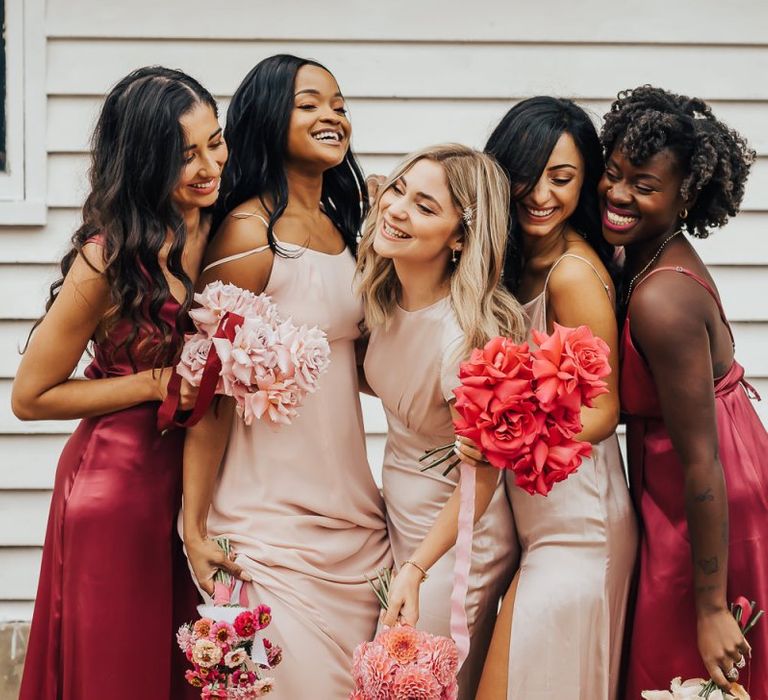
x,y
698,453
114,584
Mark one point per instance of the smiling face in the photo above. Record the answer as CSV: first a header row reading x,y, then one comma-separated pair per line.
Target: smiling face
x,y
205,153
418,221
640,202
549,205
319,131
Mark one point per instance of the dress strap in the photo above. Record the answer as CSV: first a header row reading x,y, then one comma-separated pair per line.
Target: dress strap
x,y
556,263
244,254
701,281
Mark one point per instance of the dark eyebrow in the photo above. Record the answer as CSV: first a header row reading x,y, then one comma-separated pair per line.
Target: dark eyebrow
x,y
651,176
312,91
422,195
563,165
194,145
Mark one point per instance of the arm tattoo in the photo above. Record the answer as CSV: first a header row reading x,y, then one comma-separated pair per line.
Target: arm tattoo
x,y
704,496
708,566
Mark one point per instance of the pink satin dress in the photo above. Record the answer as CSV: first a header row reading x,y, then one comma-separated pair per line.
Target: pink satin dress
x,y
663,637
412,366
114,585
299,503
579,545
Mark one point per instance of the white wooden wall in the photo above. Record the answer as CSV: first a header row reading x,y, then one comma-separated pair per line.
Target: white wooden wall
x,y
415,73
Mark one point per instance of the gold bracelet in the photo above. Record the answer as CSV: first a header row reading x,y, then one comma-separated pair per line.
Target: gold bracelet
x,y
424,574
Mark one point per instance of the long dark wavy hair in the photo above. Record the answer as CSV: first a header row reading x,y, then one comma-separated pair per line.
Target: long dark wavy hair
x,y
257,136
522,143
137,157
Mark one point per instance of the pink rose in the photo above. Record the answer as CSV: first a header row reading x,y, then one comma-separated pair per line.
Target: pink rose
x,y
216,300
194,355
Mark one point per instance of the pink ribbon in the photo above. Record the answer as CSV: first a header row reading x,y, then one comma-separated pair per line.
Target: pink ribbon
x,y
463,560
233,594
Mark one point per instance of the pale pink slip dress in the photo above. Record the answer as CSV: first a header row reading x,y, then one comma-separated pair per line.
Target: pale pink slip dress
x,y
299,503
578,548
412,365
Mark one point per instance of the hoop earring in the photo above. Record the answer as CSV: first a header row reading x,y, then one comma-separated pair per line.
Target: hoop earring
x,y
357,184
684,214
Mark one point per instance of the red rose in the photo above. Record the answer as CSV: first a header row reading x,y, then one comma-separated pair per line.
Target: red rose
x,y
513,430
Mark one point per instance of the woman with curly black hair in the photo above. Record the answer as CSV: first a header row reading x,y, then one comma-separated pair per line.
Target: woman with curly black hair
x,y
698,453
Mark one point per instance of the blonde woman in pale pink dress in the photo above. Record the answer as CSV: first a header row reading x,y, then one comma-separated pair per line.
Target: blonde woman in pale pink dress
x,y
429,264
298,504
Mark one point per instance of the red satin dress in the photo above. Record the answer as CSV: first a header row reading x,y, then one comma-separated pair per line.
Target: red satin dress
x,y
663,636
114,584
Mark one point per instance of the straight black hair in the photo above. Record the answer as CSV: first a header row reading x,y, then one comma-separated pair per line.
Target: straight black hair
x,y
522,143
257,136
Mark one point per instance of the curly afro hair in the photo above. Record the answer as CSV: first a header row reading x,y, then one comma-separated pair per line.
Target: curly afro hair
x,y
716,159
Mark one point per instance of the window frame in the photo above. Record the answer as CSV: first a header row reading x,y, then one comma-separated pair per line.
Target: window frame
x,y
23,186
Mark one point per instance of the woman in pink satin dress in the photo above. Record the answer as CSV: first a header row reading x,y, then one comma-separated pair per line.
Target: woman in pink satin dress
x,y
114,586
698,453
298,504
560,628
429,270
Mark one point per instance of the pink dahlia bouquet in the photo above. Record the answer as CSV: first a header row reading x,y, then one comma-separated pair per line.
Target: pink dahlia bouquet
x,y
228,654
522,407
244,349
403,662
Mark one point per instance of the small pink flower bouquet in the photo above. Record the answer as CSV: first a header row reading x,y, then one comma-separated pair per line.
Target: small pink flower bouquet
x,y
244,349
403,662
229,658
522,407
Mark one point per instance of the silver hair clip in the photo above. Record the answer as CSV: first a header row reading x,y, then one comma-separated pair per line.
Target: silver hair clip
x,y
468,215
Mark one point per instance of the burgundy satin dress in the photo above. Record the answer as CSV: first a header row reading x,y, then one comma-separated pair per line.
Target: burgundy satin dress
x,y
663,637
114,584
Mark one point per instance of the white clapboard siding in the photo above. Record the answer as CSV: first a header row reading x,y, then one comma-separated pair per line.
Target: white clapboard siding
x,y
655,21
463,70
378,123
414,74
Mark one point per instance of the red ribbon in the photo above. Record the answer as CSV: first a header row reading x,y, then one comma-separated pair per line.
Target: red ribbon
x,y
167,413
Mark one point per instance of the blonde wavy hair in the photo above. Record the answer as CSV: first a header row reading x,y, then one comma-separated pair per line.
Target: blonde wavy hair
x,y
479,188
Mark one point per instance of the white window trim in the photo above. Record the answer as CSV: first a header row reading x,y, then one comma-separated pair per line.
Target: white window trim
x,y
22,189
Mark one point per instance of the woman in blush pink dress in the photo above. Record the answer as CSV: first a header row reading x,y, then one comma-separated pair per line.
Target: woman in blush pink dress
x,y
429,269
114,585
560,629
298,504
698,453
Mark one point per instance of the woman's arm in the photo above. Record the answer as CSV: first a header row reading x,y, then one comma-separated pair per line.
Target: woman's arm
x,y
576,297
43,389
206,442
669,324
404,592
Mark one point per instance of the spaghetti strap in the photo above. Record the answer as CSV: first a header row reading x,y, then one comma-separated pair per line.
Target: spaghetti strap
x,y
245,254
577,257
701,281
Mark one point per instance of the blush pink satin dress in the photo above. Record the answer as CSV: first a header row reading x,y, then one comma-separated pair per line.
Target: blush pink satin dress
x,y
663,637
299,503
412,365
114,585
578,545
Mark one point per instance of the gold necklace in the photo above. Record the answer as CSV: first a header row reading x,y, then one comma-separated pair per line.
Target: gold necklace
x,y
648,264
